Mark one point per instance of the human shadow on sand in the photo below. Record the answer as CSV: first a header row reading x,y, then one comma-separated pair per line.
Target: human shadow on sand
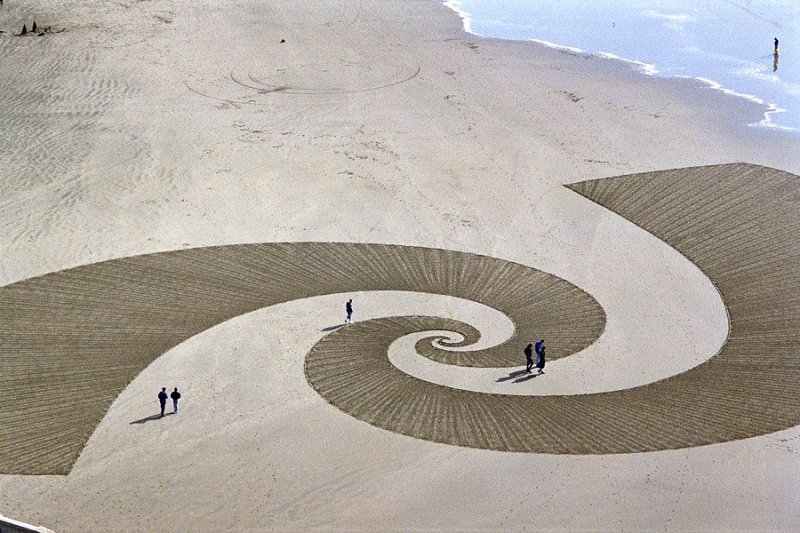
x,y
511,375
150,418
518,376
331,328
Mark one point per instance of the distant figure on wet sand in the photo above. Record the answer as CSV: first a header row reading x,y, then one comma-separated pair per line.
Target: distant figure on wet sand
x,y
175,397
348,307
162,399
776,45
528,358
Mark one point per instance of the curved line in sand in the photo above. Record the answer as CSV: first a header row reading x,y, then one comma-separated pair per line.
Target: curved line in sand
x,y
79,336
260,88
93,328
259,85
736,223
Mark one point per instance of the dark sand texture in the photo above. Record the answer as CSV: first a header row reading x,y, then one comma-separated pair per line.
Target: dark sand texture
x,y
737,223
75,338
72,340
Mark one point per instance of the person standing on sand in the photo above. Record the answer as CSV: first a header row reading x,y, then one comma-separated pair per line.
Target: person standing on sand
x,y
348,307
175,397
528,358
540,358
776,45
162,399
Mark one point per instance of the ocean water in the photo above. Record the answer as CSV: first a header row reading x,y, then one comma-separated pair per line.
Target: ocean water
x,y
727,44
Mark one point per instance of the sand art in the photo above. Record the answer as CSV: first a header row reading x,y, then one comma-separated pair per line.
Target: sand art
x,y
103,323
96,327
192,190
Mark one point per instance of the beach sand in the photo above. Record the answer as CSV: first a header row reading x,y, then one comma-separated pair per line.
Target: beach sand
x,y
155,126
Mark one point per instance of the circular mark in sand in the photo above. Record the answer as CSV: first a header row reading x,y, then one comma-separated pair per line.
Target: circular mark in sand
x,y
245,85
335,77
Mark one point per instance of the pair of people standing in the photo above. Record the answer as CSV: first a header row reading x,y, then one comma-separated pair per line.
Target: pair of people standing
x,y
540,356
162,399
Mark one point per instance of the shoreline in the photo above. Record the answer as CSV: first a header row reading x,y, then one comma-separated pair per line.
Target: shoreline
x,y
643,68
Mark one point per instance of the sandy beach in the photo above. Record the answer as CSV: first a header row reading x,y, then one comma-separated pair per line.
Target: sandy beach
x,y
135,128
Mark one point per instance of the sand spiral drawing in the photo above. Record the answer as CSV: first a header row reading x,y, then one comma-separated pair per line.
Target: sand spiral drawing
x,y
74,334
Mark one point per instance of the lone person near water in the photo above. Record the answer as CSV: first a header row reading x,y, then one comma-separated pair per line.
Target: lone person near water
x,y
162,399
175,397
776,56
528,358
348,307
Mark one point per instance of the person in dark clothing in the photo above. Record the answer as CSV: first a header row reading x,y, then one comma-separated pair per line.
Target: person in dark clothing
x,y
162,399
528,358
175,397
348,307
776,45
540,359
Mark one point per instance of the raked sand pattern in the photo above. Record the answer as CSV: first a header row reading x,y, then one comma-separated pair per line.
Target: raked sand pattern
x,y
96,327
737,223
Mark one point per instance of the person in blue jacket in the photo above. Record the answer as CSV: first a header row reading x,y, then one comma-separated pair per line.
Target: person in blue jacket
x,y
162,399
540,360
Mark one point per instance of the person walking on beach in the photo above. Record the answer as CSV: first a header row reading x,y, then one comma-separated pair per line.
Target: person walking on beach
x,y
776,45
348,307
540,356
162,399
528,358
175,397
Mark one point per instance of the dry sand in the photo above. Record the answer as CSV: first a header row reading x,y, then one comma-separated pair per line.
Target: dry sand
x,y
155,126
